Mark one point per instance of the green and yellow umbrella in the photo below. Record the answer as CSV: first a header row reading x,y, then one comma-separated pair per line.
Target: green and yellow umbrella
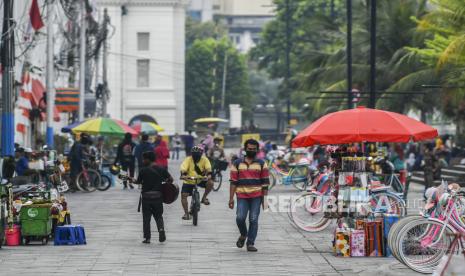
x,y
104,126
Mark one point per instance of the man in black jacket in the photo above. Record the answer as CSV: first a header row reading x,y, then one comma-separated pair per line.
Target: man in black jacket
x,y
152,177
125,157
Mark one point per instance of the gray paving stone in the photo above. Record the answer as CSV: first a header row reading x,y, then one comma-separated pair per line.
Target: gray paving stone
x,y
114,235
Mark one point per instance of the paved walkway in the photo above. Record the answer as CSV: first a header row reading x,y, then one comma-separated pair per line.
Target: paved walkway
x,y
114,235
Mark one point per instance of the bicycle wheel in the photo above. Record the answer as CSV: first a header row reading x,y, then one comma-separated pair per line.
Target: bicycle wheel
x,y
306,213
195,207
394,233
89,180
217,179
422,244
387,203
299,177
105,183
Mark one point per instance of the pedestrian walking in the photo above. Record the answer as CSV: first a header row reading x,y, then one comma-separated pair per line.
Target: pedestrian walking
x,y
162,153
125,157
188,142
152,178
142,147
175,146
249,182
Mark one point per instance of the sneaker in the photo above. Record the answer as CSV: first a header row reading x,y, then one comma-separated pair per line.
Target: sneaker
x,y
146,241
131,186
186,217
240,242
162,236
251,248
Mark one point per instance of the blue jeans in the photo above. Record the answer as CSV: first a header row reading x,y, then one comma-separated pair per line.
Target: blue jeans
x,y
250,206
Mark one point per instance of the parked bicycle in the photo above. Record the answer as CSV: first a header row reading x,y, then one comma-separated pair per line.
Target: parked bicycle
x,y
421,241
88,179
307,212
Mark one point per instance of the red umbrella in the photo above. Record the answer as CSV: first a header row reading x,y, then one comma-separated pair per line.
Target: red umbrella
x,y
363,125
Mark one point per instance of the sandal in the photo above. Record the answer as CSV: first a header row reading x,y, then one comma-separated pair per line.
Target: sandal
x,y
186,217
206,201
240,242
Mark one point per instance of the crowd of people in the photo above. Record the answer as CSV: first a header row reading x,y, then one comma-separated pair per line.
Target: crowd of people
x,y
248,169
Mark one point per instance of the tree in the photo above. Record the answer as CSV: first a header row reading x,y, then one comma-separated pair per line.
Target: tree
x,y
319,53
445,51
202,30
204,87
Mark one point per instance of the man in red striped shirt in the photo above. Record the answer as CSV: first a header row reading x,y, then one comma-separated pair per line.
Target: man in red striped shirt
x,y
249,182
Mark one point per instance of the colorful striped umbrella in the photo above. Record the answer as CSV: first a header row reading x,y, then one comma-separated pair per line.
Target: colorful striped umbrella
x,y
104,126
147,128
69,128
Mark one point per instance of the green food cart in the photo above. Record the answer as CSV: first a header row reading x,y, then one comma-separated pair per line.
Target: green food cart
x,y
36,222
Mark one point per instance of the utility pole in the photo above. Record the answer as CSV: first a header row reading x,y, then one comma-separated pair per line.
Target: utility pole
x,y
373,54
288,63
8,129
223,86
212,100
106,20
50,77
349,54
82,61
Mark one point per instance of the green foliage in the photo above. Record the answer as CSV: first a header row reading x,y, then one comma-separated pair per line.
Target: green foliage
x,y
318,57
204,75
444,50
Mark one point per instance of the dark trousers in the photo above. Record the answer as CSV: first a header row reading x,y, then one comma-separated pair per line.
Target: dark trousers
x,y
153,207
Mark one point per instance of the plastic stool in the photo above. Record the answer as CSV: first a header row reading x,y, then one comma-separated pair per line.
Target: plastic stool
x,y
80,234
65,235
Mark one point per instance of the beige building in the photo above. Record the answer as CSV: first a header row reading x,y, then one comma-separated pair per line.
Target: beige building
x,y
244,19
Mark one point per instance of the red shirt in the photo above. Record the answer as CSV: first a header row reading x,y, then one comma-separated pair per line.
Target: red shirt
x,y
162,154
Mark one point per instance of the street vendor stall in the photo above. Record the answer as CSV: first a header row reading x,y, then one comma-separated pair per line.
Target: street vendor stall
x,y
364,208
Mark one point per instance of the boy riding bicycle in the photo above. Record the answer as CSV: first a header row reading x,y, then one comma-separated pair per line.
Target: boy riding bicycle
x,y
195,166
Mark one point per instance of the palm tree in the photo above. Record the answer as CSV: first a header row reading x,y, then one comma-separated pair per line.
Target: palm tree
x,y
444,50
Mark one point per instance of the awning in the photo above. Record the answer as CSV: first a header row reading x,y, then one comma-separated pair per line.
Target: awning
x,y
67,99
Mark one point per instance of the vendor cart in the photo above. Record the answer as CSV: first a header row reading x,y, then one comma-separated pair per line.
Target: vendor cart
x,y
36,222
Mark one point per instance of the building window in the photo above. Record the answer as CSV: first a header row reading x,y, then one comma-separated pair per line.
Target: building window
x,y
143,69
143,41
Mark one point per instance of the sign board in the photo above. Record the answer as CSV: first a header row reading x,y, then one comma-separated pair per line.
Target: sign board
x,y
248,136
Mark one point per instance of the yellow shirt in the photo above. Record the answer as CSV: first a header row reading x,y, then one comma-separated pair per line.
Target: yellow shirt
x,y
188,167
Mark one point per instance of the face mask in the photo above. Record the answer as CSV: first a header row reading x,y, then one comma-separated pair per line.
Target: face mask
x,y
250,153
196,157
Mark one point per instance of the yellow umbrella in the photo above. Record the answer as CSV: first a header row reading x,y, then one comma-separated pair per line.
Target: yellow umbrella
x,y
210,120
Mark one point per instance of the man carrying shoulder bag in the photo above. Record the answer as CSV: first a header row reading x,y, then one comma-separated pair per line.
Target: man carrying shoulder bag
x,y
152,178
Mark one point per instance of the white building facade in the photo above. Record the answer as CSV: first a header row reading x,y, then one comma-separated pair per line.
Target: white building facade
x,y
146,60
